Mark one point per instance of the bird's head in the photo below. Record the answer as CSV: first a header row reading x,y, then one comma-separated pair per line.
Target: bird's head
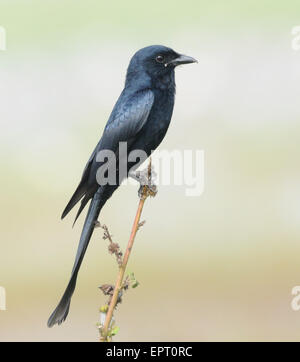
x,y
156,61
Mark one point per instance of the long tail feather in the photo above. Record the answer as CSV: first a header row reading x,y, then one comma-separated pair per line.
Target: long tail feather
x,y
78,194
62,310
84,201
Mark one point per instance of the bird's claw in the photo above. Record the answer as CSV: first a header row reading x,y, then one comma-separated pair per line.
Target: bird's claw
x,y
147,190
147,186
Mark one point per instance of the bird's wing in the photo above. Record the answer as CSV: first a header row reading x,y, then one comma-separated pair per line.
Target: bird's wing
x,y
126,120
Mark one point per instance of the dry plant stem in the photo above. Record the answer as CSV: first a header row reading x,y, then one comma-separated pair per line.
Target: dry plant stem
x,y
122,271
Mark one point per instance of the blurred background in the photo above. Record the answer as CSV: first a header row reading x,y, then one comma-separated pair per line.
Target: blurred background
x,y
219,267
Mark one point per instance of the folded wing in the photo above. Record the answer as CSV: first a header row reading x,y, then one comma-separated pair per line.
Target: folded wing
x,y
127,118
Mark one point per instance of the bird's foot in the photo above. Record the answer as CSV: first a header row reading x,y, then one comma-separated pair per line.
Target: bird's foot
x,y
147,186
147,190
146,180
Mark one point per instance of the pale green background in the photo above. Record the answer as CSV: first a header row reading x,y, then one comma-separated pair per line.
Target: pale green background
x,y
219,267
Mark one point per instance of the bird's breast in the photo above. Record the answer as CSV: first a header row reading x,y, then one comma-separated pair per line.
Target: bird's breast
x,y
158,122
162,109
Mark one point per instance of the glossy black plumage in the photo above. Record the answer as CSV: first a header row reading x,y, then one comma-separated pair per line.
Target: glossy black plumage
x,y
141,118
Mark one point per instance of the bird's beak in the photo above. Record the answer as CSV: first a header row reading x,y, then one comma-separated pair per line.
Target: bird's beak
x,y
183,59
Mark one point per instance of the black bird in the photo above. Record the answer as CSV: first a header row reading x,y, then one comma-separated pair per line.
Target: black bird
x,y
141,118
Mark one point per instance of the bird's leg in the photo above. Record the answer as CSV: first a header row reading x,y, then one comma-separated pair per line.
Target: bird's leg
x,y
146,179
140,176
134,175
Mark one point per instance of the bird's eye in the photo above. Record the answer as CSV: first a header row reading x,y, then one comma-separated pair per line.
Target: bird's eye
x,y
160,59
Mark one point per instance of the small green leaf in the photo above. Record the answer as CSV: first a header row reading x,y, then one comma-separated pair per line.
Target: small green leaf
x,y
114,331
135,284
103,308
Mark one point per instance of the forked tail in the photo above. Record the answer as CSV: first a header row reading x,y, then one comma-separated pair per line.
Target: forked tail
x,y
61,311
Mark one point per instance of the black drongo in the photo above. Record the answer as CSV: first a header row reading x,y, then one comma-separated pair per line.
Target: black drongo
x,y
140,118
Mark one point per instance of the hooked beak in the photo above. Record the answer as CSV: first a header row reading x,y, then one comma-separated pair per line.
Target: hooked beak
x,y
183,59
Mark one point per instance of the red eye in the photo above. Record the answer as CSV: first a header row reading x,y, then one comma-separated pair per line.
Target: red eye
x,y
160,59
